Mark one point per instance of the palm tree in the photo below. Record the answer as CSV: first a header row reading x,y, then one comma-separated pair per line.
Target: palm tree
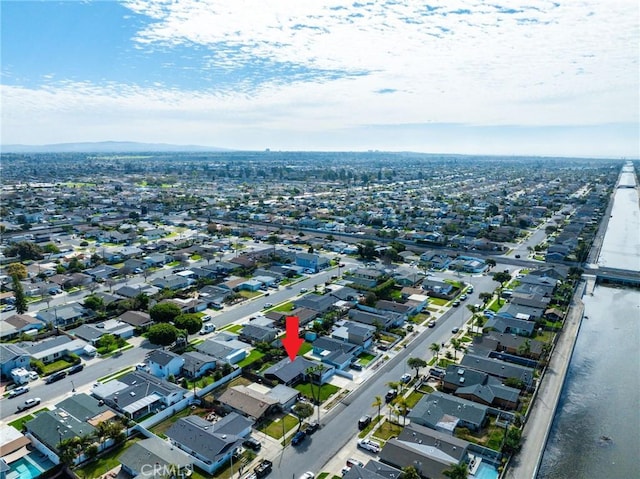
x,y
435,348
457,471
478,322
377,403
457,346
403,408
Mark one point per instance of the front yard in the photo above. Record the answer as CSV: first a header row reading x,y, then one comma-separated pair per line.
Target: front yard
x,y
326,391
275,426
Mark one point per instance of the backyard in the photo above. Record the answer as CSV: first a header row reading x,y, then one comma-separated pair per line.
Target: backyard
x,y
160,428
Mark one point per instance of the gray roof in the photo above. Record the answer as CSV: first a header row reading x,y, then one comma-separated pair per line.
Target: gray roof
x,y
50,345
431,450
215,349
286,370
209,440
52,426
497,368
432,409
194,360
9,352
153,451
505,324
257,332
162,358
82,406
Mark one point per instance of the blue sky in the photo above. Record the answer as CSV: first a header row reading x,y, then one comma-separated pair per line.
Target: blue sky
x,y
454,76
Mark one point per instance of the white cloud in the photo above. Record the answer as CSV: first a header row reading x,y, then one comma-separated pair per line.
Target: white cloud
x,y
573,63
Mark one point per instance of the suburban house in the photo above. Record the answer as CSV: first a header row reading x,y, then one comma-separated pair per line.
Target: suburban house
x,y
11,357
500,369
373,470
520,311
62,315
506,343
138,393
316,302
248,402
137,319
77,416
253,333
444,412
430,452
338,354
163,364
373,317
128,291
438,289
91,333
354,333
291,373
479,387
507,324
197,363
210,444
153,457
226,348
54,348
367,277
311,261
16,324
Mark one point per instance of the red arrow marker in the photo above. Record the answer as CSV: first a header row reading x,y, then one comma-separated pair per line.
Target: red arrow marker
x,y
292,341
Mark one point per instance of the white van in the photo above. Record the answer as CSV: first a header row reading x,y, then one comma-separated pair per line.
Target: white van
x,y
208,328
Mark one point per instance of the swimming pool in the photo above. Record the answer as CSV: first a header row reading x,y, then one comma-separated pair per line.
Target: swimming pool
x,y
28,467
486,471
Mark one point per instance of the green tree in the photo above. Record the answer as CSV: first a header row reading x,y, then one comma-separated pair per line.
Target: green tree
x,y
457,471
18,294
457,346
162,334
141,302
191,322
367,250
409,472
491,263
25,250
94,303
512,440
164,312
416,363
435,349
403,408
485,297
17,269
302,410
377,403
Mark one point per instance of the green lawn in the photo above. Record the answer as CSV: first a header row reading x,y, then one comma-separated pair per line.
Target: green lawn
x,y
274,427
56,366
105,463
438,301
413,398
284,307
162,427
365,358
387,430
325,391
305,348
254,355
233,328
18,423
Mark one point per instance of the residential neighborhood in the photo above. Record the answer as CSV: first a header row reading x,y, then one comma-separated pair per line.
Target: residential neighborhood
x,y
147,312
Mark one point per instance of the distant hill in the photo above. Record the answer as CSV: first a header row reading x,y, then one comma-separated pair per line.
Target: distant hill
x,y
105,147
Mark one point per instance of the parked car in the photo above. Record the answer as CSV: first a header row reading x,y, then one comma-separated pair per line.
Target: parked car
x,y
252,443
298,437
268,305
406,377
432,324
391,395
455,330
56,377
354,462
463,297
369,445
205,318
76,368
456,303
303,290
263,468
308,475
363,422
470,289
312,427
18,391
344,470
29,403
207,328
356,366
